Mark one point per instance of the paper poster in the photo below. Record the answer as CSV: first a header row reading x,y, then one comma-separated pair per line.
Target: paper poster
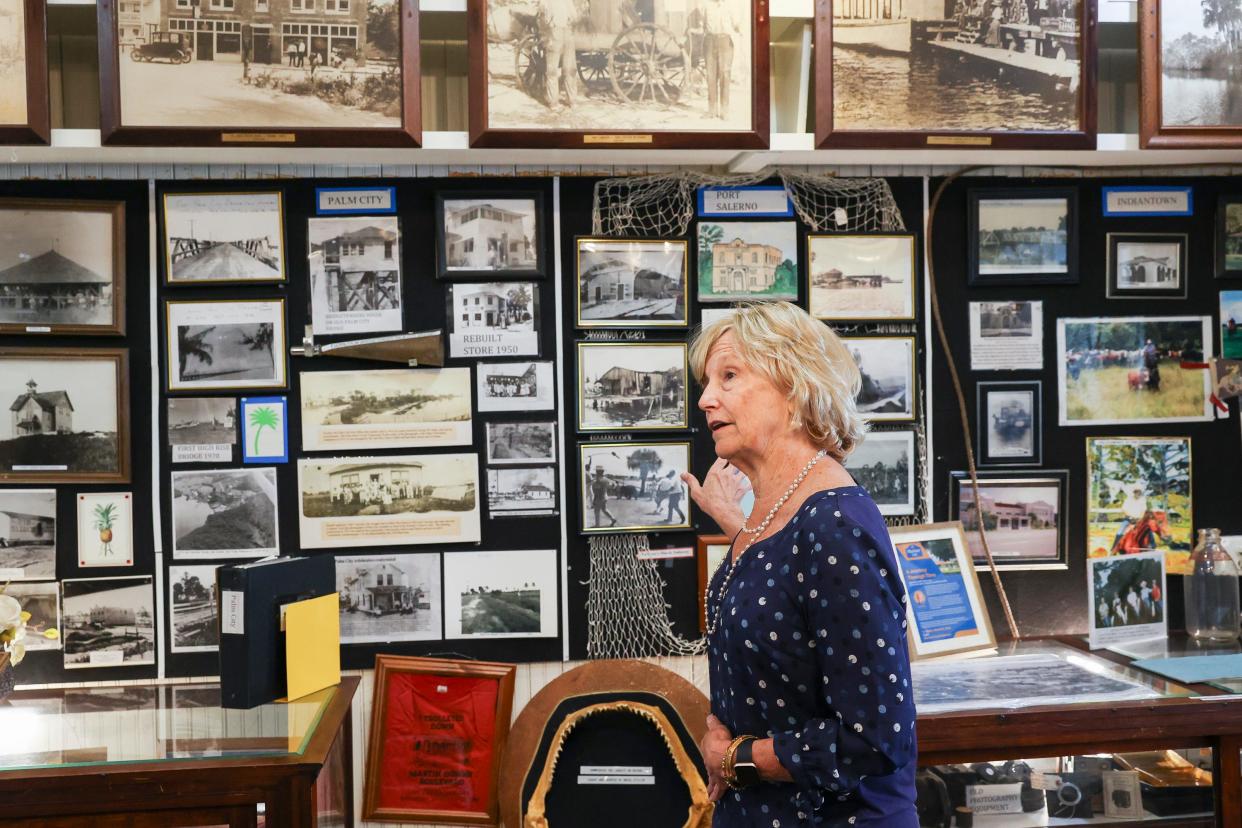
x,y
1006,336
105,529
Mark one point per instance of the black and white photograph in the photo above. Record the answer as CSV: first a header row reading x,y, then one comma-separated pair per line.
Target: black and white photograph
x,y
13,104
493,319
62,263
227,345
515,386
625,386
27,535
479,235
1023,237
741,260
224,513
521,492
1006,336
42,601
224,237
1010,423
868,277
195,624
521,443
509,594
108,622
68,418
633,487
1128,598
202,429
1147,265
389,597
392,500
1023,514
888,383
632,283
395,408
884,465
355,274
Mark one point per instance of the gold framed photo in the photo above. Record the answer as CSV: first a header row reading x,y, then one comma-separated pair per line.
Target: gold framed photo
x,y
632,283
633,487
862,277
631,386
225,346
224,237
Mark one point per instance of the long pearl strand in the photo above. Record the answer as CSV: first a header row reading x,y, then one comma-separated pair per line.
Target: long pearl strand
x,y
713,623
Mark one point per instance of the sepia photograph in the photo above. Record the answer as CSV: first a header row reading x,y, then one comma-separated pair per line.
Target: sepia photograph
x,y
884,465
224,513
395,408
1231,324
1023,514
388,597
630,385
493,319
748,260
888,381
13,106
1006,336
631,283
521,492
521,443
1199,65
1146,265
355,274
1010,423
105,529
388,501
225,345
510,594
515,386
483,236
1022,237
634,487
195,624
861,277
27,535
1228,236
108,622
224,237
1128,598
42,601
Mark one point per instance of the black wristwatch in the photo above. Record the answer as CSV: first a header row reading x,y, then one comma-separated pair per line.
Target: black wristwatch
x,y
745,771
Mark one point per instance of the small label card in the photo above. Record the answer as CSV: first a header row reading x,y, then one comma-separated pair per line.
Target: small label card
x,y
995,799
350,201
233,612
616,775
668,552
106,658
1149,201
763,201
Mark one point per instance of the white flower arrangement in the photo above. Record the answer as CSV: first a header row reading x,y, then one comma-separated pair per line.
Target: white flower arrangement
x,y
13,629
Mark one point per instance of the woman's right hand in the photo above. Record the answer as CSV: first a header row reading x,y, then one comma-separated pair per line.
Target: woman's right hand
x,y
720,495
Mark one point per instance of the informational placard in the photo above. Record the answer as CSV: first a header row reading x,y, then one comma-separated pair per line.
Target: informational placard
x,y
995,799
758,201
1149,201
1006,336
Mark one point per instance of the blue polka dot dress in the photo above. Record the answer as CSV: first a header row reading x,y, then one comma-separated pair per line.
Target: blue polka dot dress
x,y
810,650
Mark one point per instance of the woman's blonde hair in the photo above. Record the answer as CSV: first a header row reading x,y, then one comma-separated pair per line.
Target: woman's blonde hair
x,y
804,359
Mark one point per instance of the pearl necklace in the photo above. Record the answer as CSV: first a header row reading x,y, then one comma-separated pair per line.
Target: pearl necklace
x,y
713,623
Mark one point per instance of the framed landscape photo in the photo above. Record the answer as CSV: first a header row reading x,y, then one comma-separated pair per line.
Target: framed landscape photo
x,y
710,553
1023,513
485,235
943,75
195,620
225,345
202,429
336,73
884,465
1022,237
633,487
62,264
1229,236
632,283
889,385
507,594
224,513
1009,423
627,386
741,260
1147,266
599,73
856,277
24,111
108,622
220,238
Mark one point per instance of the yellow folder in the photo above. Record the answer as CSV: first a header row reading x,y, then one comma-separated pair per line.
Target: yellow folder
x,y
312,645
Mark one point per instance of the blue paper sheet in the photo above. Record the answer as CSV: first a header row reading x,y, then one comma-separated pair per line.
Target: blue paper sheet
x,y
1195,669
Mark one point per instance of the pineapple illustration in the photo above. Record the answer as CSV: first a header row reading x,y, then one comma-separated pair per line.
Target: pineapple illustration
x,y
105,516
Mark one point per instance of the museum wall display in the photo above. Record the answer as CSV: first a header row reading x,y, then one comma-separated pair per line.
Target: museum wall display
x,y
24,111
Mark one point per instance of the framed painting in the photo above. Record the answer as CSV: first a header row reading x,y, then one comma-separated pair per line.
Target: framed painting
x,y
933,74
710,554
437,719
327,73
24,112
1022,512
1022,237
602,73
487,235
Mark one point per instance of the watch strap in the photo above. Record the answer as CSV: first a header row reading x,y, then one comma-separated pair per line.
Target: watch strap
x,y
745,771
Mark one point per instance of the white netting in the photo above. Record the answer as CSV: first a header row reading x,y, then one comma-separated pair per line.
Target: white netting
x,y
627,616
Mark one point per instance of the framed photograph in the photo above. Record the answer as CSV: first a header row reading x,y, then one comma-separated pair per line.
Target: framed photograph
x,y
225,513
231,75
710,553
945,611
265,429
521,443
1139,498
408,716
489,235
68,415
225,346
1128,599
1007,336
219,238
515,386
1008,76
395,408
1147,265
1121,369
62,263
195,623
854,277
105,529
28,532
1009,423
599,74
355,273
509,594
1229,236
202,429
1023,236
24,111
108,622
884,466
521,492
632,283
389,598
42,601
633,487
493,319
1231,324
741,260
392,500
1023,513
888,380
628,386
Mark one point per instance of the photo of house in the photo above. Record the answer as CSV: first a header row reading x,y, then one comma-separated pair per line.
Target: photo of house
x,y
28,534
624,386
388,597
493,319
1021,515
41,412
355,274
631,283
490,234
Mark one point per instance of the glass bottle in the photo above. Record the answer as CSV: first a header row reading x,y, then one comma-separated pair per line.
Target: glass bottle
x,y
1211,590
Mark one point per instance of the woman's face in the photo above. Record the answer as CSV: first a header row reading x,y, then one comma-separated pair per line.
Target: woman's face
x,y
745,411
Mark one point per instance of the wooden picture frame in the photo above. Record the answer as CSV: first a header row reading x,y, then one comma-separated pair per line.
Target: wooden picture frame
x,y
218,329
1009,423
599,53
538,245
35,126
249,250
707,558
1024,523
1020,49
191,30
1117,288
1228,265
451,675
602,287
643,392
1036,275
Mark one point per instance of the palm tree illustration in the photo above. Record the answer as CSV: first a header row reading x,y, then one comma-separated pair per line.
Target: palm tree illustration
x,y
105,515
261,418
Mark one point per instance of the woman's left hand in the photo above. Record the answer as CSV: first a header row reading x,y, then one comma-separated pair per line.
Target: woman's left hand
x,y
715,743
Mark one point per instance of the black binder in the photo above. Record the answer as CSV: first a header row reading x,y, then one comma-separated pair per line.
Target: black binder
x,y
252,646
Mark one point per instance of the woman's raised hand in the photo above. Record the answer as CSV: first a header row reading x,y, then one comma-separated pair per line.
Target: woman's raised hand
x,y
720,495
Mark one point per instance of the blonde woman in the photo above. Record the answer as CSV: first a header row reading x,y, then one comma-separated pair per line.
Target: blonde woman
x,y
813,712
